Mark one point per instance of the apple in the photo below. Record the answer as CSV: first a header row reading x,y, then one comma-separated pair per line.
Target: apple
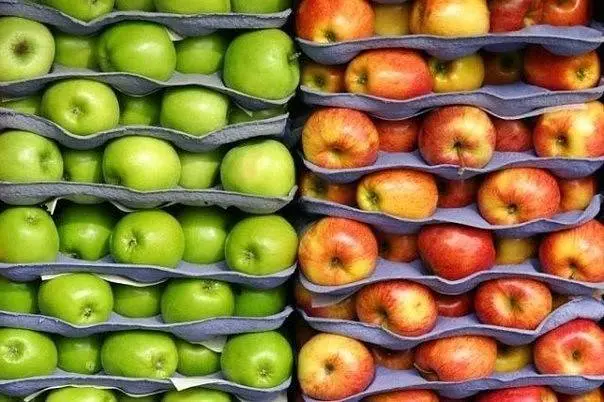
x,y
82,10
83,166
194,110
514,250
199,170
447,359
327,21
512,358
150,398
139,110
531,393
18,297
261,245
576,253
322,78
342,310
457,193
237,115
403,307
397,247
27,48
151,237
250,302
79,355
82,107
193,6
561,73
456,18
80,394
503,68
398,135
571,133
574,12
512,135
261,167
334,367
389,73
27,105
27,234
201,54
136,301
576,194
413,395
462,74
258,360
84,230
455,252
514,15
453,305
393,359
457,135
392,19
205,230
25,353
336,138
260,6
515,195
76,51
135,5
137,47
141,163
337,251
314,186
263,64
196,360
140,354
197,395
26,157
592,396
186,300
6,398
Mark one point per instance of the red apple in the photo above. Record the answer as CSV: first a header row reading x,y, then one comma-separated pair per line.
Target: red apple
x,y
576,253
389,73
403,307
512,135
457,193
313,186
340,138
513,15
576,194
397,248
561,73
393,359
448,359
323,78
343,310
454,305
413,395
575,348
334,367
334,20
454,251
337,251
502,68
398,135
592,396
522,394
567,12
457,135
516,195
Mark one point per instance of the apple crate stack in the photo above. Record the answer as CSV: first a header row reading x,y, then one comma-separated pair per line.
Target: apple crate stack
x,y
142,166
451,170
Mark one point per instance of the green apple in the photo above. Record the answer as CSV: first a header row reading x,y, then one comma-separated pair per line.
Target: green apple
x,y
79,355
196,360
136,301
26,105
140,354
260,6
152,237
134,5
197,395
262,63
82,107
261,245
80,299
84,230
137,47
193,6
27,234
187,300
238,115
205,230
84,10
83,166
201,54
25,353
81,394
141,163
260,302
27,48
128,398
6,398
260,166
76,51
139,110
27,157
194,110
199,170
258,360
18,297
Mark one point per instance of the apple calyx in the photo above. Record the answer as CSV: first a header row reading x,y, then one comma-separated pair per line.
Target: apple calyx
x,y
14,350
442,68
330,36
21,48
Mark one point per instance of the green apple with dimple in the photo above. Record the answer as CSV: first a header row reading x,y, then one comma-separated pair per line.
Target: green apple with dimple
x,y
27,157
26,105
81,394
83,166
25,353
27,234
136,301
238,115
76,51
135,5
251,302
186,300
139,110
84,10
139,354
260,6
200,170
80,299
193,6
82,107
137,47
197,395
79,355
196,360
201,54
206,230
18,297
194,110
27,48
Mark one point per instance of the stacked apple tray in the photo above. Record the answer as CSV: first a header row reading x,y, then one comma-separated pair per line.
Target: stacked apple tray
x,y
214,330
332,197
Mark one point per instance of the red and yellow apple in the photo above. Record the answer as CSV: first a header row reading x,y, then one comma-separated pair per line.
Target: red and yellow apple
x,y
512,135
515,250
463,74
457,193
412,395
567,12
393,359
514,15
392,19
531,393
450,17
323,78
314,186
576,194
502,68
397,247
343,310
512,358
398,135
592,396
454,305
328,21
